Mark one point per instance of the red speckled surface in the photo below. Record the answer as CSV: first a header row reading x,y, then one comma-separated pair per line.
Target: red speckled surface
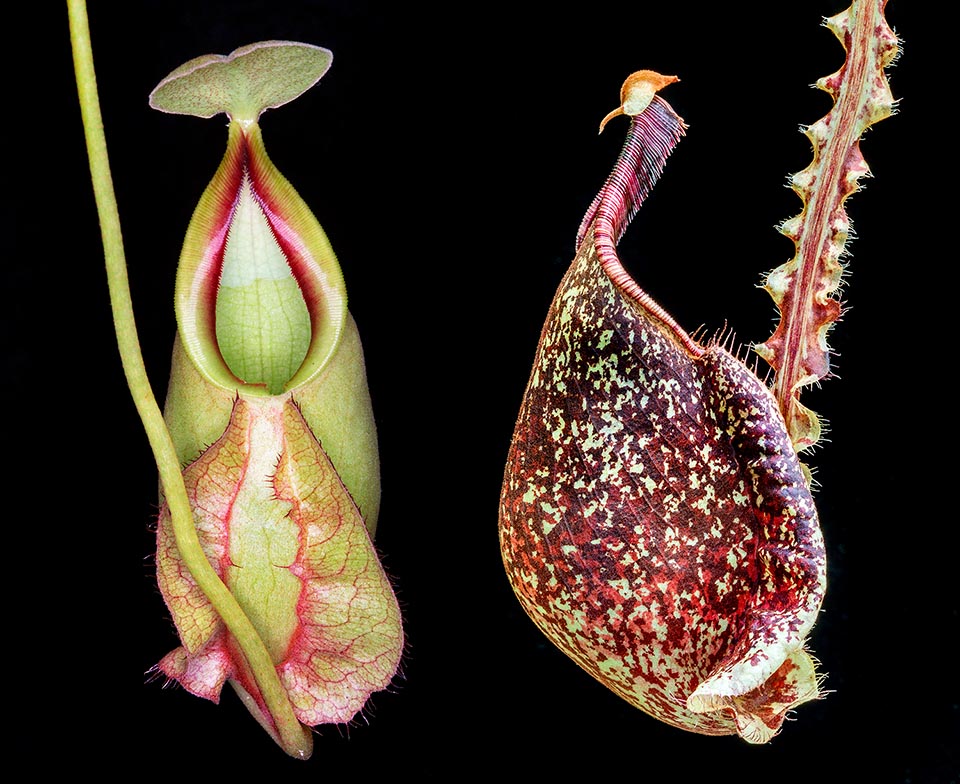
x,y
655,523
450,153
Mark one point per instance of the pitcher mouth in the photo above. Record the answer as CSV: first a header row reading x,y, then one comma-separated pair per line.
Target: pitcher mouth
x,y
261,301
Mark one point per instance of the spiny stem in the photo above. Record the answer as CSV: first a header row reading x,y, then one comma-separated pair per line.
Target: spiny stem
x,y
805,288
293,737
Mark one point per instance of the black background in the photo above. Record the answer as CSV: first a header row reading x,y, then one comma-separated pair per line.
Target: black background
x,y
449,154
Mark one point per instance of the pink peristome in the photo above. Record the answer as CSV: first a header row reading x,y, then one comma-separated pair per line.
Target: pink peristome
x,y
299,237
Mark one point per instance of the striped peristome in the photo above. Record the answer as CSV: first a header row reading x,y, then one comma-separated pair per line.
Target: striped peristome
x,y
655,522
